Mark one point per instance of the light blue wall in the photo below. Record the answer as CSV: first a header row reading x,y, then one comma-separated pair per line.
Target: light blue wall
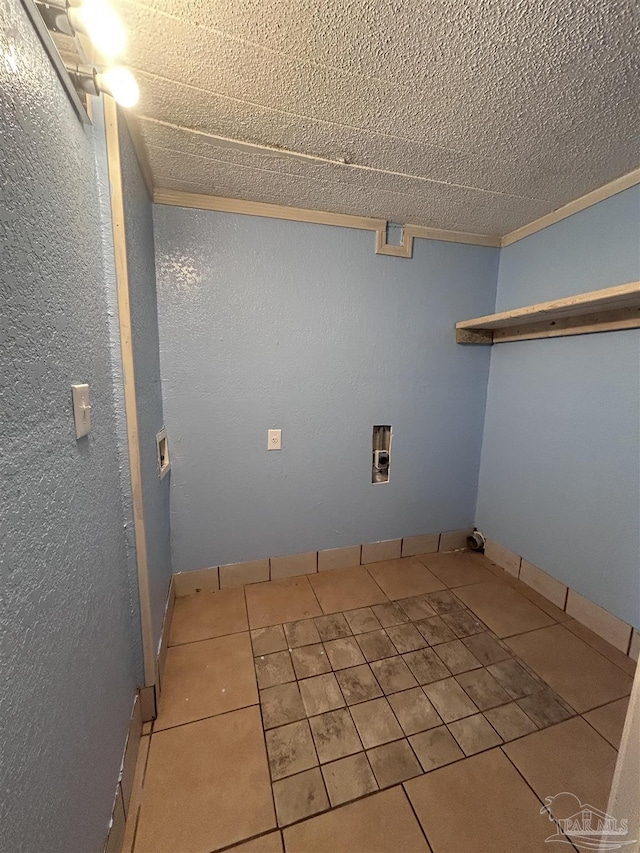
x,y
279,324
146,356
560,473
68,641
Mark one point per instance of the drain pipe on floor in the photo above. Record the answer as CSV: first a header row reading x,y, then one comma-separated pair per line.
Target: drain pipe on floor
x,y
476,541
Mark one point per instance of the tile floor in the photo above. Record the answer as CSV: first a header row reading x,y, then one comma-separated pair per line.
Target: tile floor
x,y
425,703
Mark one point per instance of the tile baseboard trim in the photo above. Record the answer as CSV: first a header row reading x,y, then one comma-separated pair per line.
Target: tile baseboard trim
x,y
125,785
310,562
615,631
144,710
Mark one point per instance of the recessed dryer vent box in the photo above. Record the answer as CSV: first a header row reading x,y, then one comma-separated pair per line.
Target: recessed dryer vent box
x,y
381,462
162,445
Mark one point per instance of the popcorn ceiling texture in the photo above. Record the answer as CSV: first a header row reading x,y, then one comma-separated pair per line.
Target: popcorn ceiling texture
x,y
470,116
68,637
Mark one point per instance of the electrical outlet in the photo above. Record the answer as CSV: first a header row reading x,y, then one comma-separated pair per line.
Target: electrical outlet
x,y
274,439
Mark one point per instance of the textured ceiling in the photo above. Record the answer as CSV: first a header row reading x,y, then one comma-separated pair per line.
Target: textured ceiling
x,y
471,115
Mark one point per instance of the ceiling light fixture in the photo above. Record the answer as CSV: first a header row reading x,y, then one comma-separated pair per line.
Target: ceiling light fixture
x,y
118,82
95,18
100,22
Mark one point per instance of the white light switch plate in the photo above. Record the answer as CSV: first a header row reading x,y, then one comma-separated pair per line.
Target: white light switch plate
x,y
274,439
81,409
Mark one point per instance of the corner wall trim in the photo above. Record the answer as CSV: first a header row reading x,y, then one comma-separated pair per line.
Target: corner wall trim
x,y
221,204
128,373
575,206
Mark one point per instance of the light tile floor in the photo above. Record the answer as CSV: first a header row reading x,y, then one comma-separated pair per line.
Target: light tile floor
x,y
427,703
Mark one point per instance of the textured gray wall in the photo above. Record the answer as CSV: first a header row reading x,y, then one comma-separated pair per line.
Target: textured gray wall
x,y
282,324
144,321
69,667
560,475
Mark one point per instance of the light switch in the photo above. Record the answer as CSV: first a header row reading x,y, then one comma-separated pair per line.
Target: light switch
x,y
81,409
274,439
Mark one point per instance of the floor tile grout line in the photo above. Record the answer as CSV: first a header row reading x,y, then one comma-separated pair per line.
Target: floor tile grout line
x,y
207,717
526,781
589,723
415,814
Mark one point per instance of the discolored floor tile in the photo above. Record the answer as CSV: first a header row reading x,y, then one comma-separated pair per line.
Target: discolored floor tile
x,y
189,768
435,748
393,674
404,578
301,633
456,657
281,705
393,763
348,779
609,720
474,734
310,660
300,796
515,679
450,700
268,640
510,721
577,672
487,649
362,620
444,601
479,805
416,607
358,684
463,623
279,601
206,678
483,689
320,693
435,631
379,823
414,711
346,589
205,615
502,609
406,638
334,735
456,569
389,614
426,666
344,653
290,749
376,645
375,722
332,627
274,669
545,708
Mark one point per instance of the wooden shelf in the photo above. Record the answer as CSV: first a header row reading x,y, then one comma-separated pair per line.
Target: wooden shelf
x,y
605,310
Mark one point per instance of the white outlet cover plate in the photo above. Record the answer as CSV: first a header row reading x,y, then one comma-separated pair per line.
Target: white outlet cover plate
x,y
274,439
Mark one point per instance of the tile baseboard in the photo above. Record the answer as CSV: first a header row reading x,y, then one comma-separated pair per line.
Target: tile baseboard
x,y
290,565
124,788
617,633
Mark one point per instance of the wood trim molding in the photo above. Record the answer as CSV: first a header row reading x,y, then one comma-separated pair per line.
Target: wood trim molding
x,y
273,211
467,237
141,151
404,250
591,198
128,373
221,204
